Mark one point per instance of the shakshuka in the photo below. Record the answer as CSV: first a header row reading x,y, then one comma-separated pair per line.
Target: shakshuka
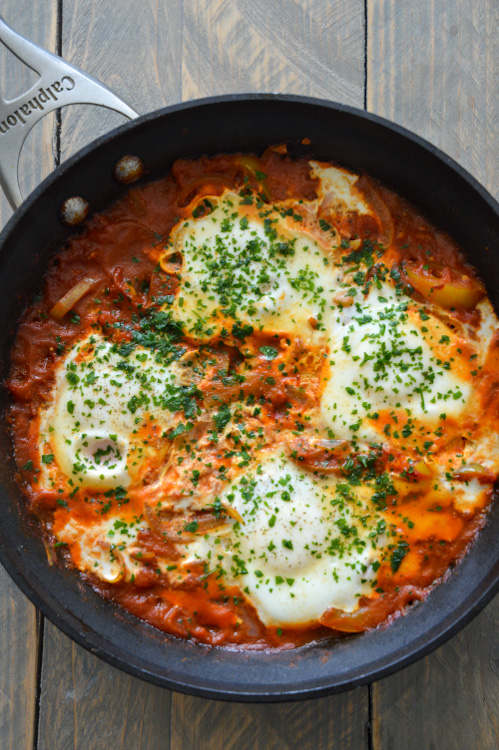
x,y
256,402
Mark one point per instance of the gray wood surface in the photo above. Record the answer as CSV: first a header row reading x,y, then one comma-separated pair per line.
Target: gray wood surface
x,y
19,623
339,721
88,704
430,65
447,701
313,47
434,68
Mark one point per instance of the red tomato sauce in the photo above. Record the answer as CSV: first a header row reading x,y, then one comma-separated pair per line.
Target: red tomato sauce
x,y
120,249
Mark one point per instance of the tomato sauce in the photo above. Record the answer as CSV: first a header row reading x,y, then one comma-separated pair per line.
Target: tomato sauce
x,y
120,248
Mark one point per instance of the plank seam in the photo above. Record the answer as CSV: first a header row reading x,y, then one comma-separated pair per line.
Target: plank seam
x,y
41,619
365,53
58,115
369,725
172,699
370,740
39,665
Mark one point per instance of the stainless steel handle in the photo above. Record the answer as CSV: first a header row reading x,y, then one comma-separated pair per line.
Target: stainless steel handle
x,y
60,84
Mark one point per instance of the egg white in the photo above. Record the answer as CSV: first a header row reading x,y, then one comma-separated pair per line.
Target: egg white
x,y
306,542
105,548
342,184
99,401
302,547
381,359
259,268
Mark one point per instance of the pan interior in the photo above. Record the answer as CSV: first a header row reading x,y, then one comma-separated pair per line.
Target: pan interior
x,y
451,199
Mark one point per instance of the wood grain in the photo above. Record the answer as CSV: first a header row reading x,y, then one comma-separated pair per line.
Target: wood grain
x,y
85,703
311,47
19,624
447,701
18,662
88,705
38,24
434,67
134,48
339,721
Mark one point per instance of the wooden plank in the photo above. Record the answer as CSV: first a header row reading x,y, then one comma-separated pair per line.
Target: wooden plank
x,y
433,67
449,700
339,721
85,703
311,47
19,624
18,661
88,705
135,51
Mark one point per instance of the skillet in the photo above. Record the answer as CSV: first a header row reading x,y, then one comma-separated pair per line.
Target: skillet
x,y
439,187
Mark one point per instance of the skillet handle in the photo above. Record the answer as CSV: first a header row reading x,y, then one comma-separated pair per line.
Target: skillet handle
x,y
60,84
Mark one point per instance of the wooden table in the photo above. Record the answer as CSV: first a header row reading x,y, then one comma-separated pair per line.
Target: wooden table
x,y
431,65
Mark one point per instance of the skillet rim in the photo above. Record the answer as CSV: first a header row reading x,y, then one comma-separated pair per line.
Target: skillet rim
x,y
67,621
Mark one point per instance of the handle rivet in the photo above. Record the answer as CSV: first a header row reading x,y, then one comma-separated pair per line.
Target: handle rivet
x,y
74,210
128,169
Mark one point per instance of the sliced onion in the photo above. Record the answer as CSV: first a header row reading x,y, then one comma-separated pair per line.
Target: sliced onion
x,y
69,300
381,210
423,472
117,570
354,244
233,513
173,526
323,456
372,610
416,481
170,265
141,555
207,185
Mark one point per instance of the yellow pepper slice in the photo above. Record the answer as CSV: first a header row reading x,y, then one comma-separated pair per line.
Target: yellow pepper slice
x,y
445,286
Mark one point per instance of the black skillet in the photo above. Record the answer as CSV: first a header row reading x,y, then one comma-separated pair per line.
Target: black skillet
x,y
451,198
